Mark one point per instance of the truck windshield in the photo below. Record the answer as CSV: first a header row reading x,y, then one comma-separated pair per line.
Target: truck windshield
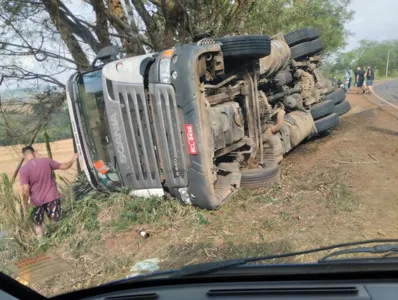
x,y
94,123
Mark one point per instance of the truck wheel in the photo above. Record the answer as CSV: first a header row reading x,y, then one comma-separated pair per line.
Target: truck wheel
x,y
260,178
245,46
336,96
327,122
306,49
301,35
322,109
342,107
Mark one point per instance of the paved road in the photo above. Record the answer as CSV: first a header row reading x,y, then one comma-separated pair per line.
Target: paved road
x,y
388,91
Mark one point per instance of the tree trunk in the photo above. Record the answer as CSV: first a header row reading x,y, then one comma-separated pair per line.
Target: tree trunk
x,y
131,41
242,14
67,36
151,27
101,28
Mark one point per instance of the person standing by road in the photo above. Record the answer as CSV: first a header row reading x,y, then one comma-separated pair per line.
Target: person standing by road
x,y
351,75
360,78
38,184
347,81
370,76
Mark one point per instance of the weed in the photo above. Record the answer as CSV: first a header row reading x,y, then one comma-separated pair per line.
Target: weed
x,y
121,225
117,265
11,208
202,219
270,225
286,216
343,199
155,211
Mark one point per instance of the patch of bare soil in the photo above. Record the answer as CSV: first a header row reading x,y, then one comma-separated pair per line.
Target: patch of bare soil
x,y
338,188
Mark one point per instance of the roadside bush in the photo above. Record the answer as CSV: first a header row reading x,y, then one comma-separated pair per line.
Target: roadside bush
x,y
13,219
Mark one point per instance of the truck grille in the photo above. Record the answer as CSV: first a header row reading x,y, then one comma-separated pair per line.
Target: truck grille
x,y
168,133
135,115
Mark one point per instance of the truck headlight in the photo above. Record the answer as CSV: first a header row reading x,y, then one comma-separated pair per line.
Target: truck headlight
x,y
164,70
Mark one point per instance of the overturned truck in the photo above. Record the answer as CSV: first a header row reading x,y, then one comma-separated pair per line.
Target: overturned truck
x,y
201,120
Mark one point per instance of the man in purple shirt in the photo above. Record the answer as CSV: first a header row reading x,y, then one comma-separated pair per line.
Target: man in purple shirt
x,y
38,184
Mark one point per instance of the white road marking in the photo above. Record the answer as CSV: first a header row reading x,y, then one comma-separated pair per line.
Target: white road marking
x,y
384,100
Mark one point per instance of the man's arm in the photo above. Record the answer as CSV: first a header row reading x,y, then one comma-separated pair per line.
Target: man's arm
x,y
25,193
67,165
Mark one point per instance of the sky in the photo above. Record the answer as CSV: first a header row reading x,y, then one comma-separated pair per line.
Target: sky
x,y
373,19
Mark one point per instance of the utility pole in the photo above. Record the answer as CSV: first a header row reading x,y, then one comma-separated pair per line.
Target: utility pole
x,y
388,60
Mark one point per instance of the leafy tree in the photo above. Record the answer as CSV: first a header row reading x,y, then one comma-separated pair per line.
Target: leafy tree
x,y
328,16
53,38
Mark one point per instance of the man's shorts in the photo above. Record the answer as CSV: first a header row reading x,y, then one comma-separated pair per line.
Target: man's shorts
x,y
52,209
360,83
369,82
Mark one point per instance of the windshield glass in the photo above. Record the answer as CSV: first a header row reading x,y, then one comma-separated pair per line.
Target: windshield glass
x,y
95,126
211,131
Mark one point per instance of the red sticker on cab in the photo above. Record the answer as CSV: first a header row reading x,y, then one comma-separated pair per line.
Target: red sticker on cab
x,y
190,139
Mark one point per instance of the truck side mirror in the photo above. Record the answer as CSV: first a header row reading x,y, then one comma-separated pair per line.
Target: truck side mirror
x,y
107,54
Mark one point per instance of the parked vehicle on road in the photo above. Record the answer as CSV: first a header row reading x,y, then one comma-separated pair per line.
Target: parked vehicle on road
x,y
201,120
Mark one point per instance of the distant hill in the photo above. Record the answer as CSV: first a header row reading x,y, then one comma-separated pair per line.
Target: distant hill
x,y
25,94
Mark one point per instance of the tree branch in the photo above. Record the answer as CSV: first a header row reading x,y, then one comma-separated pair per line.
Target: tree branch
x,y
144,14
151,27
67,36
157,3
38,51
79,29
29,75
23,39
133,40
101,28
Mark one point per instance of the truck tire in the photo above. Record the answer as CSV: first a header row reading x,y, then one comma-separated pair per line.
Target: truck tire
x,y
301,35
260,178
336,96
245,46
342,108
306,49
322,109
327,122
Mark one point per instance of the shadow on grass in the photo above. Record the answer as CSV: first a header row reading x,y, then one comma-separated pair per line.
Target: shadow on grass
x,y
195,253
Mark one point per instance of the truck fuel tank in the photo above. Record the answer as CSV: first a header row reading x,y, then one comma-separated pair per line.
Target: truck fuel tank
x,y
300,126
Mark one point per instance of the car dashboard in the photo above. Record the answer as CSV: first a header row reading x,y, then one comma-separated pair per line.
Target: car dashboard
x,y
257,290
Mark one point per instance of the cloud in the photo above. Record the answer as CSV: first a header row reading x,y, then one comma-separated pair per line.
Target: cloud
x,y
375,20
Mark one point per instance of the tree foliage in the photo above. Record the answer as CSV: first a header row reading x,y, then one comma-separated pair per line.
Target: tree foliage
x,y
328,16
42,38
368,53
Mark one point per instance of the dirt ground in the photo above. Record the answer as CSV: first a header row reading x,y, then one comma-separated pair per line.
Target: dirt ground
x,y
62,151
339,188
